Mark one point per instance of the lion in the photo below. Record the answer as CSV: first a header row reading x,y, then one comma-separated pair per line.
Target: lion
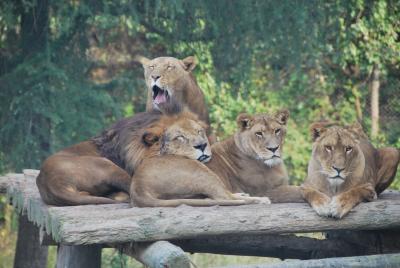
x,y
99,170
168,76
178,176
251,161
345,169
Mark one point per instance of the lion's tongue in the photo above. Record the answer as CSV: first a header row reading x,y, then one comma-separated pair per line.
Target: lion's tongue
x,y
160,98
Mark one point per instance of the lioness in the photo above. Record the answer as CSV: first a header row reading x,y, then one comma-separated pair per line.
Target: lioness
x,y
168,76
250,161
177,175
345,169
91,172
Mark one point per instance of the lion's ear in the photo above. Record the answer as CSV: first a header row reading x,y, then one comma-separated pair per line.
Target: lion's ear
x,y
356,127
282,116
151,136
142,60
317,129
244,121
189,63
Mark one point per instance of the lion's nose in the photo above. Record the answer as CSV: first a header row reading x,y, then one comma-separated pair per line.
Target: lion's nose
x,y
155,77
338,169
201,146
273,149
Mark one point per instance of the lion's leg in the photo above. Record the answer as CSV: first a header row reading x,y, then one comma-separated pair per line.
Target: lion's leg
x,y
388,160
286,194
342,203
106,176
317,200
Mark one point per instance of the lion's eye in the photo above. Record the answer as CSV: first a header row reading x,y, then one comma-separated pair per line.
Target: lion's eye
x,y
200,132
328,148
151,67
348,149
277,131
179,138
170,67
259,134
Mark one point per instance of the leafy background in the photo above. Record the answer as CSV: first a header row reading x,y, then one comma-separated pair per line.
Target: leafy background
x,y
68,69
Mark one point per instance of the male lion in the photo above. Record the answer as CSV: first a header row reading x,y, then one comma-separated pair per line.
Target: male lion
x,y
91,172
345,169
250,161
168,76
177,175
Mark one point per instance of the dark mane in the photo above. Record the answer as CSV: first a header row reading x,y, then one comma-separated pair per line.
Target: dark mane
x,y
118,142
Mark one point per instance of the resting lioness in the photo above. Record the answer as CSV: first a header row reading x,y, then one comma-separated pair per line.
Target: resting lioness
x,y
168,76
251,160
91,172
177,175
345,169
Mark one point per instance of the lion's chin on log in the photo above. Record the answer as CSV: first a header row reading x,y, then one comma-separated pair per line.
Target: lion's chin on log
x,y
99,170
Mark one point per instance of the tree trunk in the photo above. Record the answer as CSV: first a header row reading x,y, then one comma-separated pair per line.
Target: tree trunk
x,y
374,86
29,253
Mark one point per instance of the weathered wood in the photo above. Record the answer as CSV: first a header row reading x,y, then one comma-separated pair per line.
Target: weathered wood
x,y
342,244
373,261
159,254
118,223
79,256
29,253
3,184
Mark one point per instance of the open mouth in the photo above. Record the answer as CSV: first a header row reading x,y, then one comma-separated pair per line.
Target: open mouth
x,y
203,158
159,95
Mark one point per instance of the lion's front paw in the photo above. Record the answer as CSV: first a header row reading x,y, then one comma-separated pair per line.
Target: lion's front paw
x,y
339,208
323,209
369,193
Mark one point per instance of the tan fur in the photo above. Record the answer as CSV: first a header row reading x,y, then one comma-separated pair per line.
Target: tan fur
x,y
345,169
98,171
175,76
245,164
177,176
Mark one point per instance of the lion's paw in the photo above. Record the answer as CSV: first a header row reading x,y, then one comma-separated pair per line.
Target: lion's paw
x,y
338,209
323,209
370,193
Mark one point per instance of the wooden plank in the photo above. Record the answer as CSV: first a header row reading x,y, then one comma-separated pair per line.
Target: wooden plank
x,y
79,256
118,223
3,184
159,254
373,261
337,244
29,253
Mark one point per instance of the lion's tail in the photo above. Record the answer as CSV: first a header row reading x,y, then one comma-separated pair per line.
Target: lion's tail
x,y
154,202
286,194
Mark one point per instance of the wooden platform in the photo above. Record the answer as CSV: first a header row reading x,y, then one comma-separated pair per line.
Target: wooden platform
x,y
244,230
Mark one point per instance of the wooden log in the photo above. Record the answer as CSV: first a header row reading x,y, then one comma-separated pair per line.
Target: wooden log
x,y
3,184
79,256
29,253
373,261
159,254
118,223
342,244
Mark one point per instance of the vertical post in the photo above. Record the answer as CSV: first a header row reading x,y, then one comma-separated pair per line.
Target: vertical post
x,y
375,84
29,253
79,256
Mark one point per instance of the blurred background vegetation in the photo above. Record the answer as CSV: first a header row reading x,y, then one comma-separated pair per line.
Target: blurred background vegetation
x,y
68,69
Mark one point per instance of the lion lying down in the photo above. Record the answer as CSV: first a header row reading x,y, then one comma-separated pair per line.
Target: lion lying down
x,y
250,161
93,171
177,175
345,169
